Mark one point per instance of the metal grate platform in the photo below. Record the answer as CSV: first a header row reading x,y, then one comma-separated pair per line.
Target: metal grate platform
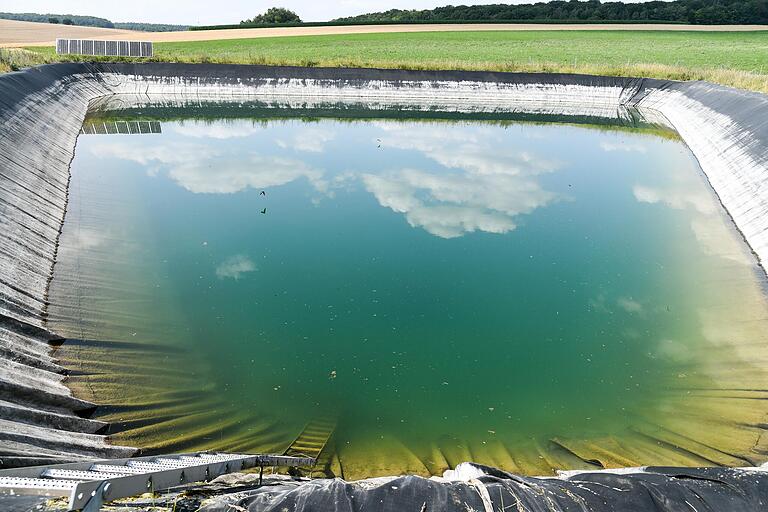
x,y
89,484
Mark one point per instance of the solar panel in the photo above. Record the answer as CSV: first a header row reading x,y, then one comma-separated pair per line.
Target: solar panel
x,y
129,127
105,48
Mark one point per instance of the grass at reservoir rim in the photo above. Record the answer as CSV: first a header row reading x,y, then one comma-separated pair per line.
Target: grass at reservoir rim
x,y
738,59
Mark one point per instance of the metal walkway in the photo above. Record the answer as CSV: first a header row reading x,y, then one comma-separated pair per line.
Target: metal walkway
x,y
90,484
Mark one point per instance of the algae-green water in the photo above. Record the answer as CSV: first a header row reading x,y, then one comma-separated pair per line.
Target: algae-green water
x,y
416,280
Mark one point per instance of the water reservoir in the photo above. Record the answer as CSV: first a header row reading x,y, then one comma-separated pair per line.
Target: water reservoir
x,y
522,294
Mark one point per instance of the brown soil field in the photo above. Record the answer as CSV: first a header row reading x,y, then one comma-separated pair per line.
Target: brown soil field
x,y
22,33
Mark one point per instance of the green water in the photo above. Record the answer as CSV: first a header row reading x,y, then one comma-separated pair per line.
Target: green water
x,y
414,279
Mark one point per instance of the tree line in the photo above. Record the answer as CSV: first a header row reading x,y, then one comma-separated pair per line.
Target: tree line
x,y
88,21
723,12
65,19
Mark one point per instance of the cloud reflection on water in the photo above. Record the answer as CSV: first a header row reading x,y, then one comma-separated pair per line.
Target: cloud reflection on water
x,y
228,174
234,267
216,130
310,140
480,183
709,225
202,169
482,186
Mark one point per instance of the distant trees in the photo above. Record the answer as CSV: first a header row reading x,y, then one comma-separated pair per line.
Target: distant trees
x,y
151,27
274,16
68,19
89,21
677,11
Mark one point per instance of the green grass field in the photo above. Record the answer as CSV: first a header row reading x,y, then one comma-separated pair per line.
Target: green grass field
x,y
731,58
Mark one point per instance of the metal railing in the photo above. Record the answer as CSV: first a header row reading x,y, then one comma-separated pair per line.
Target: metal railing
x,y
90,484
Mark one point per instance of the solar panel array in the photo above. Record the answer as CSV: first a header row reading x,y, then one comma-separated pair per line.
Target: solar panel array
x,y
104,48
120,127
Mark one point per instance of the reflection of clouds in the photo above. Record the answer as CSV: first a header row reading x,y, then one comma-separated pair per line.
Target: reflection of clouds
x,y
88,238
600,304
674,351
629,305
312,140
204,169
489,187
234,267
680,195
171,153
623,146
481,151
233,174
217,130
715,238
711,229
451,204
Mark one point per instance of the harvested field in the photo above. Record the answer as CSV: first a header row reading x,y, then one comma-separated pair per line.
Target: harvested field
x,y
20,33
23,33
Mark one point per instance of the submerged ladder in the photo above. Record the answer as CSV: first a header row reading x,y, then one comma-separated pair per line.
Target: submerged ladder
x,y
313,438
90,484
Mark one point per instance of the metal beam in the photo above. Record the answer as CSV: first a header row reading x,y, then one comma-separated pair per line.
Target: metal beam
x,y
91,483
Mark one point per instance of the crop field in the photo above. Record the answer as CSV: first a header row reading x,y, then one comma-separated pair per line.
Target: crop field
x,y
738,59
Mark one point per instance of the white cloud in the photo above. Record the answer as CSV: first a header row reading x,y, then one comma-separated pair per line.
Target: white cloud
x,y
311,140
483,186
679,196
718,239
674,351
712,229
171,153
203,169
629,305
230,174
481,151
623,146
234,267
451,204
216,130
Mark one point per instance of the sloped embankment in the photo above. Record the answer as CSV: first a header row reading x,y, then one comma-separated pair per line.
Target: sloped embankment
x,y
41,114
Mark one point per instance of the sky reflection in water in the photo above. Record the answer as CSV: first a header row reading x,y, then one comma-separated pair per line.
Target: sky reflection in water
x,y
421,279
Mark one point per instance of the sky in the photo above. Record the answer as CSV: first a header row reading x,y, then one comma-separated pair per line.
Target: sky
x,y
191,12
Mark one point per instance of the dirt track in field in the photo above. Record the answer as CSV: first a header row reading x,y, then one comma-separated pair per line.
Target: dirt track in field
x,y
22,33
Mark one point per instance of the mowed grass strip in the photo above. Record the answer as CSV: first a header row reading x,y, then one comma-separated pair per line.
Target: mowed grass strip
x,y
738,59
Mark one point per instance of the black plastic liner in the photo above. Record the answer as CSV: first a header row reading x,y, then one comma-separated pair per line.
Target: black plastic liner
x,y
649,490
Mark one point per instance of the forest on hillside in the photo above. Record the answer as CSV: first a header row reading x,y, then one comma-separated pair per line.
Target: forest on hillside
x,y
709,12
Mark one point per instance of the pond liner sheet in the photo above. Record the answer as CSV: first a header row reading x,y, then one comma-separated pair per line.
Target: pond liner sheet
x,y
42,110
486,489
